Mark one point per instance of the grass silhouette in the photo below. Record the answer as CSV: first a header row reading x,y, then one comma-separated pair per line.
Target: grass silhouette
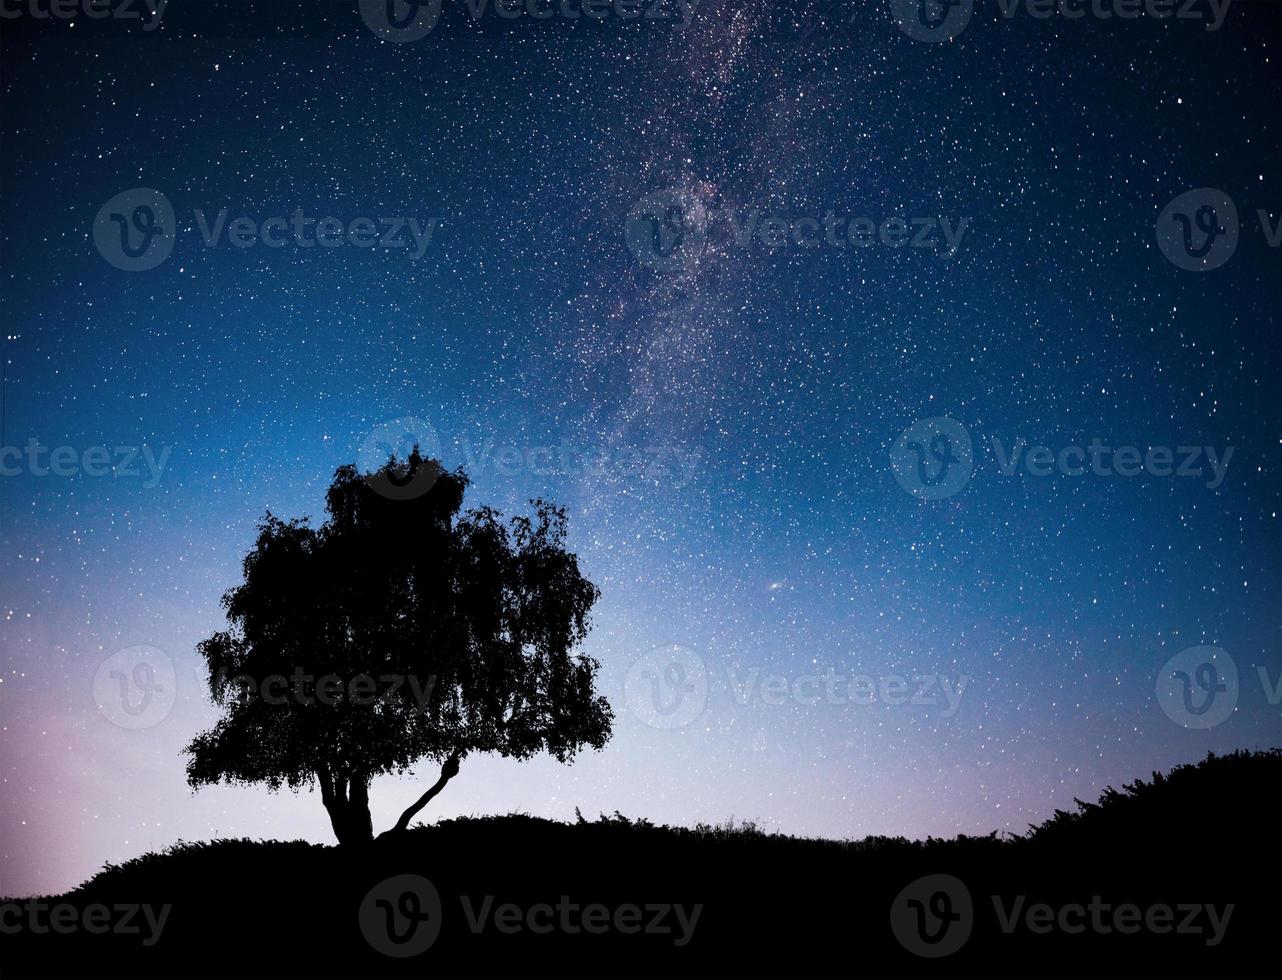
x,y
771,904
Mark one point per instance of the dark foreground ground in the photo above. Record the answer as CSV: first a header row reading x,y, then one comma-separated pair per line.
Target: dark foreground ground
x,y
1184,872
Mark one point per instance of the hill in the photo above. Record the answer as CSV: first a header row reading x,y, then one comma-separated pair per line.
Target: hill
x,y
1180,875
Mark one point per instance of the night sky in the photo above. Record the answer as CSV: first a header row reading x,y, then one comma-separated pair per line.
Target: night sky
x,y
720,423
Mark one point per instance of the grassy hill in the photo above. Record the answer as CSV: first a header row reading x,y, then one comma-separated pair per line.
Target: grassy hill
x,y
1203,841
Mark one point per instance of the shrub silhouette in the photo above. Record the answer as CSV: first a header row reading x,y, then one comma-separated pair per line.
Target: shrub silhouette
x,y
398,630
773,905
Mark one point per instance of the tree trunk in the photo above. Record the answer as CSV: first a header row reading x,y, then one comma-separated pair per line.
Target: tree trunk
x,y
448,771
359,824
348,806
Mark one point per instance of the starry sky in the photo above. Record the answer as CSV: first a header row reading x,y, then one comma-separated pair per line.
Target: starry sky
x,y
720,429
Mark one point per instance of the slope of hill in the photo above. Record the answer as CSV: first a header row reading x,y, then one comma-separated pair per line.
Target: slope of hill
x,y
1180,875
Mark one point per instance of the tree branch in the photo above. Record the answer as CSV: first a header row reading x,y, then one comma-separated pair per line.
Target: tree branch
x,y
448,771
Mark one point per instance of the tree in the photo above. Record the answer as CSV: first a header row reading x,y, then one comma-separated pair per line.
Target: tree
x,y
399,630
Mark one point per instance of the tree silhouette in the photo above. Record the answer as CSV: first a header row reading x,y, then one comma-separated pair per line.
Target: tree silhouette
x,y
399,630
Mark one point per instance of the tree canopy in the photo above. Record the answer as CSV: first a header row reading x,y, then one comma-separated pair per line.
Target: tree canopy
x,y
401,629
